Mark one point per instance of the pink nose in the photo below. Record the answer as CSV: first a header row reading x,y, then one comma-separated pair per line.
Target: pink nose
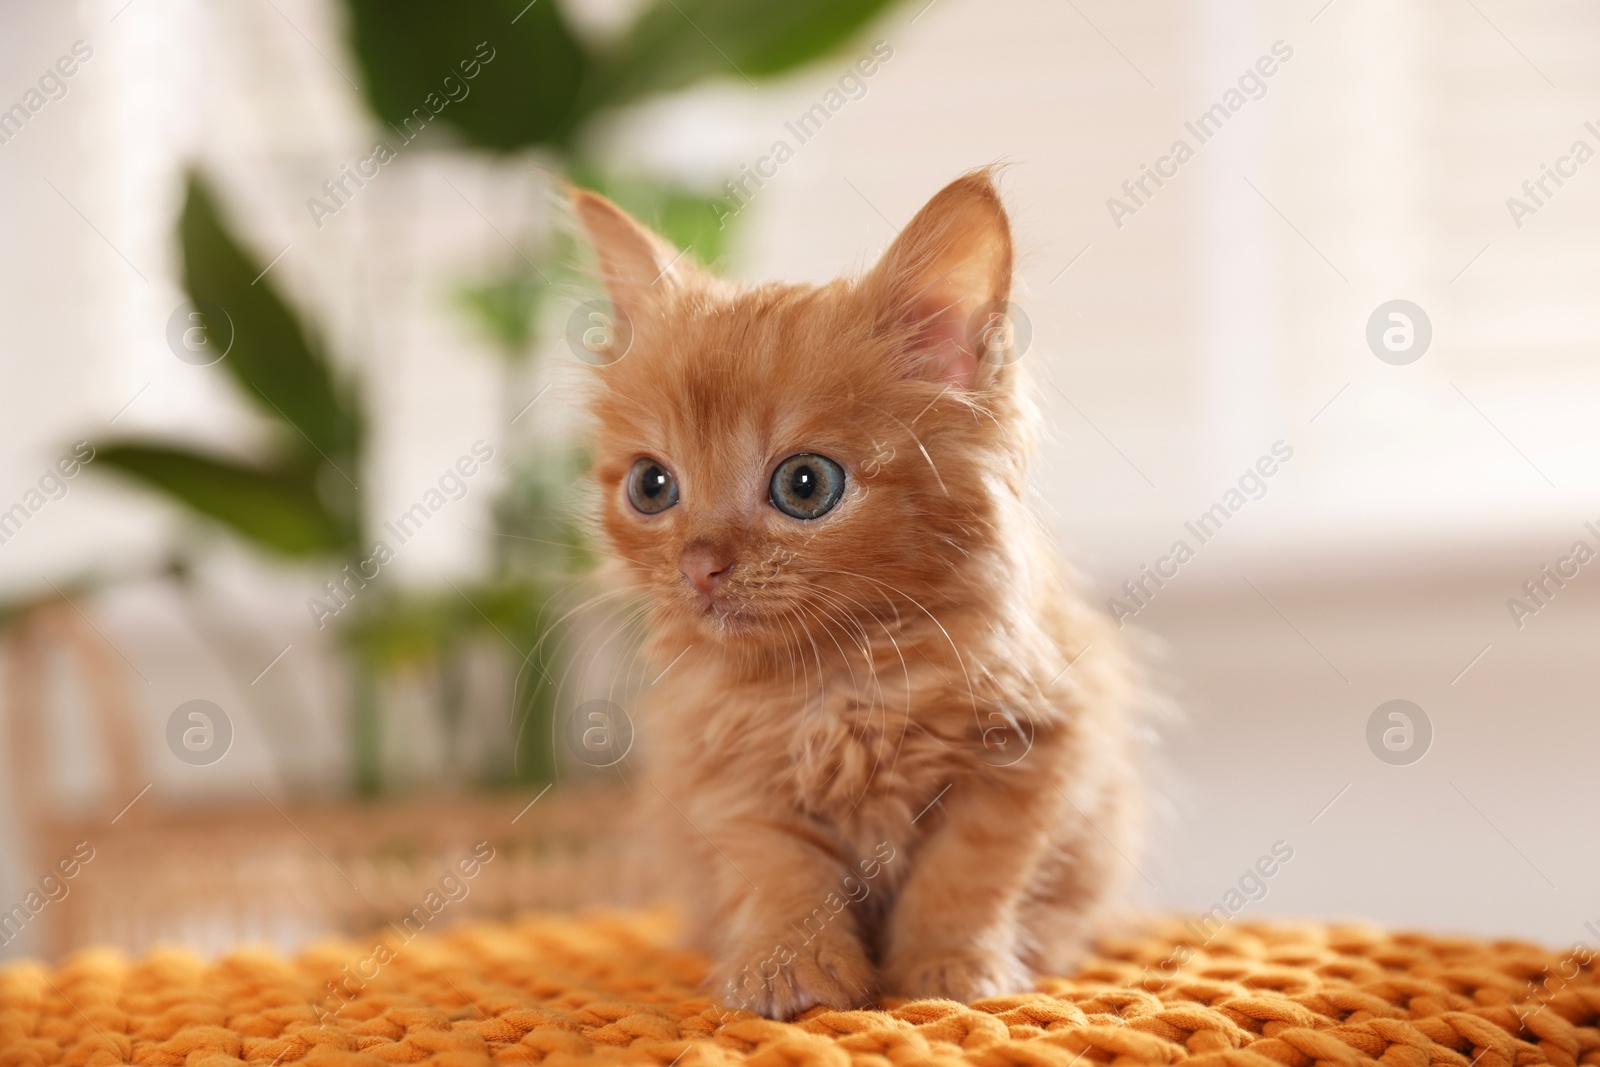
x,y
704,566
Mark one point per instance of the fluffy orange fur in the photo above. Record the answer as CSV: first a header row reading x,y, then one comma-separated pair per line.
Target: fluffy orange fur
x,y
891,753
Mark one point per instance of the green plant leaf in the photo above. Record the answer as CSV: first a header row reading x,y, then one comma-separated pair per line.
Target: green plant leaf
x,y
282,370
277,510
676,43
505,306
528,68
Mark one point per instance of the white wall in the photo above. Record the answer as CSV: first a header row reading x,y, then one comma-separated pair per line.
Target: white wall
x,y
1223,316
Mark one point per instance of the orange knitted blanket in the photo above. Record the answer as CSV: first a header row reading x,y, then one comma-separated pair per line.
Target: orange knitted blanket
x,y
607,988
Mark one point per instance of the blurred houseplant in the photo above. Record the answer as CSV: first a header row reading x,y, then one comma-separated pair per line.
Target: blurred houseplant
x,y
299,500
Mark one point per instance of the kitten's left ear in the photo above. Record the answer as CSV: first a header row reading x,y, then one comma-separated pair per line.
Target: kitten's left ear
x,y
942,276
638,267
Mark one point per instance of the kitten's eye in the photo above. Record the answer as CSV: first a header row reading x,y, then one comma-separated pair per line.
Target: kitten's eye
x,y
807,486
651,488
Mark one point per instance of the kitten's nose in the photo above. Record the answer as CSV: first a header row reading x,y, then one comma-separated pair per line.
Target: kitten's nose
x,y
705,566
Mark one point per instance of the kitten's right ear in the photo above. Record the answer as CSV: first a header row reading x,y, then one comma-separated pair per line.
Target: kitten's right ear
x,y
942,278
637,265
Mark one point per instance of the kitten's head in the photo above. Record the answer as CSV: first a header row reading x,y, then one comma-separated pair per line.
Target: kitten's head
x,y
778,459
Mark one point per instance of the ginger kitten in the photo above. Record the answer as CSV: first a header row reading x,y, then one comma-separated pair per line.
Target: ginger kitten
x,y
893,756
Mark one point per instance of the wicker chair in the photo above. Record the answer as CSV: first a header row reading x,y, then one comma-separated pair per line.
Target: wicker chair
x,y
210,876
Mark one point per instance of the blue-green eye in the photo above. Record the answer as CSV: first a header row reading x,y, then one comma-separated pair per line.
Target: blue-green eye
x,y
651,487
807,486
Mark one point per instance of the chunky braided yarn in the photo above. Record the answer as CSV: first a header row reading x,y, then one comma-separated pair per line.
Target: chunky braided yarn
x,y
606,988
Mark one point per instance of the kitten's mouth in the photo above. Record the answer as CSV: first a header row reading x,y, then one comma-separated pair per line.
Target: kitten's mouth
x,y
720,610
724,613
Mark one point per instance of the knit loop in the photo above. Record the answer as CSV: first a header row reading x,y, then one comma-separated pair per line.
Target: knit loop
x,y
609,989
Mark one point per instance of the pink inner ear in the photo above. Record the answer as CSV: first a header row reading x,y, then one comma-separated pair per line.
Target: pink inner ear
x,y
941,347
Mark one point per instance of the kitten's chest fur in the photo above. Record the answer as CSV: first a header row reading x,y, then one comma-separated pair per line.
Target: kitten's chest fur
x,y
860,744
871,746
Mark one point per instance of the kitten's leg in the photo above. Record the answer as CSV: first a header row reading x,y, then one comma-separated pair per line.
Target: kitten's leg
x,y
954,929
1073,897
784,935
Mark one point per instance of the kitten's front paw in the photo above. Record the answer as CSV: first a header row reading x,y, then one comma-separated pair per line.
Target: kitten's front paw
x,y
966,974
789,976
